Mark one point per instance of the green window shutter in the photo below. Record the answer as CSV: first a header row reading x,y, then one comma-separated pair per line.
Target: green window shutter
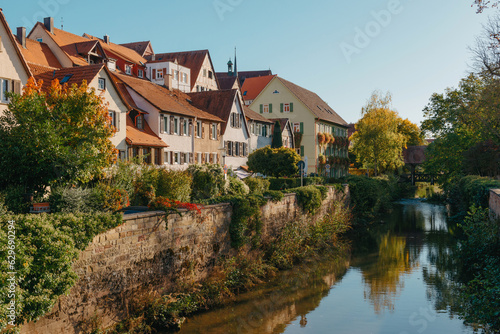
x,y
261,108
291,106
281,107
270,108
302,151
302,127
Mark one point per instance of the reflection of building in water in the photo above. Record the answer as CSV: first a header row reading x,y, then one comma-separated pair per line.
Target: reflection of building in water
x,y
303,321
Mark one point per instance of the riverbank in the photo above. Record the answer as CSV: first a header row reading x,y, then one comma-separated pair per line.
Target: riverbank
x,y
300,240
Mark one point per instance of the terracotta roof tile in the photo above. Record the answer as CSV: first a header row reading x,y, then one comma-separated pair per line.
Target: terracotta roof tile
x,y
139,47
144,137
253,86
75,75
216,102
250,114
164,99
120,50
39,53
190,59
243,75
314,103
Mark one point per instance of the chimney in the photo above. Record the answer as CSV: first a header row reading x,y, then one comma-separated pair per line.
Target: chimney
x,y
168,81
106,39
48,22
21,36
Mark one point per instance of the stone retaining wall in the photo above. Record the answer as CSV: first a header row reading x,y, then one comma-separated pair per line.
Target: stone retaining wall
x,y
145,254
495,203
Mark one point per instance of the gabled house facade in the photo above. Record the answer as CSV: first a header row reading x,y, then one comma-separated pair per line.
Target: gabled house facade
x,y
98,77
199,62
252,87
286,131
226,105
170,74
260,129
14,71
144,49
186,129
310,116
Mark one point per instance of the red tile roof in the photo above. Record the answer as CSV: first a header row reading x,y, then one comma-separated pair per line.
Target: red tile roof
x,y
253,86
139,47
250,114
39,53
76,74
216,102
146,137
190,59
166,100
314,103
243,75
119,50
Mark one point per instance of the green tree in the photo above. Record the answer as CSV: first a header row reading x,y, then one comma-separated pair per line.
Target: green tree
x,y
62,136
275,162
277,139
377,141
411,132
452,118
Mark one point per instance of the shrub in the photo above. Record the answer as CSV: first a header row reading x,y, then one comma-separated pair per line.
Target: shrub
x,y
257,185
175,185
105,197
275,195
15,199
274,161
237,187
310,198
46,246
70,199
369,196
286,183
208,181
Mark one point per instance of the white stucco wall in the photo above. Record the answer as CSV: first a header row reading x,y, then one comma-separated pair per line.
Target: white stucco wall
x,y
176,84
204,80
40,32
11,66
236,135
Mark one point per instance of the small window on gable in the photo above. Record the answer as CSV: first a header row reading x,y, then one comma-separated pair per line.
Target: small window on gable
x,y
66,78
101,85
39,40
140,74
204,72
210,75
139,122
128,69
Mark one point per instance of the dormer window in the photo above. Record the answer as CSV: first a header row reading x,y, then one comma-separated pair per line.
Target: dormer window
x,y
139,122
140,74
210,74
101,84
159,74
128,69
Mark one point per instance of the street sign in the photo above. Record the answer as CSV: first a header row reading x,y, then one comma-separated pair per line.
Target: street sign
x,y
327,166
225,169
301,165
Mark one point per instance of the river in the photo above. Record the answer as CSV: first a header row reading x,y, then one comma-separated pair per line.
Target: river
x,y
397,279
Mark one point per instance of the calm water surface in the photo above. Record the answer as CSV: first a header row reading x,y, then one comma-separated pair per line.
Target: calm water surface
x,y
397,279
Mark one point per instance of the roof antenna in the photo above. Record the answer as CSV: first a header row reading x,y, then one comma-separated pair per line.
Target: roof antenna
x,y
62,23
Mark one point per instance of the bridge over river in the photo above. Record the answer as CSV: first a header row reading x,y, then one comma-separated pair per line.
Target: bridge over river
x,y
413,157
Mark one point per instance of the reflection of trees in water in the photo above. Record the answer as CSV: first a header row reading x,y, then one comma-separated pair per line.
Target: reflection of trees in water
x,y
383,278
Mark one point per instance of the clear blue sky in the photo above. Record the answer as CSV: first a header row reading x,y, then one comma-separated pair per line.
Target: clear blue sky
x,y
421,48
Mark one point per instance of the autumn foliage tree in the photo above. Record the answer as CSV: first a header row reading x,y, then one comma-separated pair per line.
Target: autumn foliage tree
x,y
275,162
377,141
57,137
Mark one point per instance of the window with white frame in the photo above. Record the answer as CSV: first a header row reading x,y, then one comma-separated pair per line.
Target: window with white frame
x,y
199,129
177,158
296,127
159,74
140,74
198,158
214,131
128,69
166,157
207,157
266,108
185,127
176,125
286,107
164,124
4,89
101,84
176,75
184,77
112,117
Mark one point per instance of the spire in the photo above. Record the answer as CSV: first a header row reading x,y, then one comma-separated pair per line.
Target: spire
x,y
230,67
235,63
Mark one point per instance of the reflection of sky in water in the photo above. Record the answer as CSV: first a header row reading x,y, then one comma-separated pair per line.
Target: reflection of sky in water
x,y
400,286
